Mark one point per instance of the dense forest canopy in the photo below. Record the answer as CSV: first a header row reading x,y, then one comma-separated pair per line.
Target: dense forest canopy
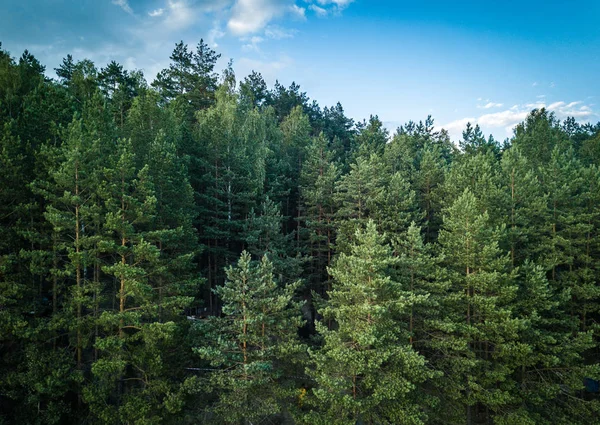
x,y
203,250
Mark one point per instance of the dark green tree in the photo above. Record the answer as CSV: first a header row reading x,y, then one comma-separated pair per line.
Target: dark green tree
x,y
366,369
253,345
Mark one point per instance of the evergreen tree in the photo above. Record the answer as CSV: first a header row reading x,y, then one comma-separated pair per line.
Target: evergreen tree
x,y
478,326
428,177
317,188
371,138
359,194
479,173
231,157
264,236
253,90
131,381
417,271
366,369
523,206
190,76
538,135
295,130
252,346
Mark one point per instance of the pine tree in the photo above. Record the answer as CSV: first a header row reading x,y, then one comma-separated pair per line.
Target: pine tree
x,y
478,172
252,346
416,270
359,195
318,208
371,138
71,197
130,377
264,236
428,177
119,87
474,142
231,154
546,360
523,206
13,194
538,135
171,230
366,369
399,207
190,77
478,324
253,90
295,130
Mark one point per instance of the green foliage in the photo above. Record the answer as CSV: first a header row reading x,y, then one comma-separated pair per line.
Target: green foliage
x,y
477,329
190,76
253,345
439,284
264,236
366,370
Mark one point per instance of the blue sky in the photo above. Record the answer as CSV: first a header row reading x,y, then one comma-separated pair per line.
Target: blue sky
x,y
456,60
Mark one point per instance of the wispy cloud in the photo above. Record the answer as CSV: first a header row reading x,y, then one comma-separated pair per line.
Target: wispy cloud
x,y
180,15
491,105
157,12
324,8
252,43
506,120
340,4
298,12
278,33
214,34
319,11
251,16
123,4
270,70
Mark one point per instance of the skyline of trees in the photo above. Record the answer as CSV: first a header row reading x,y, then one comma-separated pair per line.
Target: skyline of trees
x,y
199,250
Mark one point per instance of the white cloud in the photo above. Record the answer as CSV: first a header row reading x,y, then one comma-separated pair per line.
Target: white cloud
x,y
157,12
490,105
555,105
123,4
319,11
341,4
270,70
535,84
299,12
180,15
277,33
252,43
328,7
250,16
214,34
456,127
552,85
506,120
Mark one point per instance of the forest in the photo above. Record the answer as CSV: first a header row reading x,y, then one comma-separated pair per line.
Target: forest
x,y
203,250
